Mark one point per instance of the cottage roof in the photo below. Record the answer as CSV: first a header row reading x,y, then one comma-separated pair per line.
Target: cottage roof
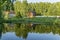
x,y
9,12
33,12
12,12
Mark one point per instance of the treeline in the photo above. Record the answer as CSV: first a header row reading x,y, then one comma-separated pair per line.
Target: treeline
x,y
41,9
22,8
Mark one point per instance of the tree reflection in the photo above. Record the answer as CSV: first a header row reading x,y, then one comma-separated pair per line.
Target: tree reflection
x,y
22,30
1,29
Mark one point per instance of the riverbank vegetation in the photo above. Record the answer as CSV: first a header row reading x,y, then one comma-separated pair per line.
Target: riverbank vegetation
x,y
21,10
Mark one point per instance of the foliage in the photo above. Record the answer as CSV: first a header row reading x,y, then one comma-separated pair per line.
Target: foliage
x,y
5,5
42,8
21,8
22,30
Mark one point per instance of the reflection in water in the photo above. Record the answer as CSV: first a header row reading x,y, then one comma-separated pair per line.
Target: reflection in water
x,y
25,31
1,29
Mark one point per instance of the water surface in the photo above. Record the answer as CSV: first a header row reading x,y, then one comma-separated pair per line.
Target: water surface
x,y
10,31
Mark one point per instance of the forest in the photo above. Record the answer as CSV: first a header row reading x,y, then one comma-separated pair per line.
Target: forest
x,y
41,9
22,8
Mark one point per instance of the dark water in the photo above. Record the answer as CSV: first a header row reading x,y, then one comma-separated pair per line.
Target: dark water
x,y
29,32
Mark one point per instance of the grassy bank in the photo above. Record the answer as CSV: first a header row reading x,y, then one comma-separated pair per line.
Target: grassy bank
x,y
39,20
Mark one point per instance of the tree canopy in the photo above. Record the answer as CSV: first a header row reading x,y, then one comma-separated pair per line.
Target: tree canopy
x,y
42,8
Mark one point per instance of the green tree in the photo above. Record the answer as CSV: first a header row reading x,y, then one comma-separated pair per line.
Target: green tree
x,y
52,10
2,3
21,8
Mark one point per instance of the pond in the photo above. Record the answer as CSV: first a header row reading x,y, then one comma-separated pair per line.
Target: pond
x,y
10,31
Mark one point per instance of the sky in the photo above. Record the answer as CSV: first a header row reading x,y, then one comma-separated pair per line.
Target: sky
x,y
52,1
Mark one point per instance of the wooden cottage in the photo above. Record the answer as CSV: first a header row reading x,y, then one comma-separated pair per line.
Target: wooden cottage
x,y
11,14
31,14
8,14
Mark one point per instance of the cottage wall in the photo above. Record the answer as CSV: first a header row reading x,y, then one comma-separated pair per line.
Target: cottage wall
x,y
8,14
31,14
